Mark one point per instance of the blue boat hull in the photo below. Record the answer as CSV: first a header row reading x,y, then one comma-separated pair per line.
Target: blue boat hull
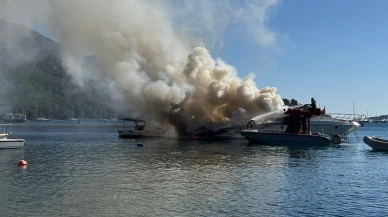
x,y
286,139
14,120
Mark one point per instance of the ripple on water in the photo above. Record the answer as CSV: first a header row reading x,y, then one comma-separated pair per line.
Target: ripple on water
x,y
91,172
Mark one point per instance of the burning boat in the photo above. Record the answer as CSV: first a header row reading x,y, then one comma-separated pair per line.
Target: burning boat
x,y
334,125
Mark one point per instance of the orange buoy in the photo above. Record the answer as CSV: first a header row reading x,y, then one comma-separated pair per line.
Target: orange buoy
x,y
22,163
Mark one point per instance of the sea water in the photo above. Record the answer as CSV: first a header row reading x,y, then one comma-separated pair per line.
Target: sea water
x,y
87,170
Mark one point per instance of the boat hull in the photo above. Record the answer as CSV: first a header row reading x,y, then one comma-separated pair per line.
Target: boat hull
x,y
287,139
11,143
332,128
14,120
141,134
376,143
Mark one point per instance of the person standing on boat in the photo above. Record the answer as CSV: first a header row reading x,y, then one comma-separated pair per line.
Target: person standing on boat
x,y
313,104
304,124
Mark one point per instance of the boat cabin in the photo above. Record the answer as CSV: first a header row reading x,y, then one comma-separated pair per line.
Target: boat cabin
x,y
140,130
139,124
299,118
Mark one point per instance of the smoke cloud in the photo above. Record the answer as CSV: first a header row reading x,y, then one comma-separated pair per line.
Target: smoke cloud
x,y
153,55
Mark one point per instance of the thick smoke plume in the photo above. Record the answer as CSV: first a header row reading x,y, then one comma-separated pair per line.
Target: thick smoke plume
x,y
153,54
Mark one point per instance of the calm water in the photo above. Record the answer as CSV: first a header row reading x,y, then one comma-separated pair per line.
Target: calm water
x,y
86,170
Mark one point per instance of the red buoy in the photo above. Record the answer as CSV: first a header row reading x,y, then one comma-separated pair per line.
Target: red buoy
x,y
22,163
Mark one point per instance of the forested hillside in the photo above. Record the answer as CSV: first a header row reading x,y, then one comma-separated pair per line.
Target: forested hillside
x,y
34,82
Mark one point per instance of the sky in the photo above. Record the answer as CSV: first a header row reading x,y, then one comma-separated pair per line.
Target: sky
x,y
334,51
331,50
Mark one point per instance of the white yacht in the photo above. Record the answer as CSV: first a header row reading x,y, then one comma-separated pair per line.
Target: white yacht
x,y
330,124
141,129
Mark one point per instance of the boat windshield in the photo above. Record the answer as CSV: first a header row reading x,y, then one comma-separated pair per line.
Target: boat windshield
x,y
4,127
139,125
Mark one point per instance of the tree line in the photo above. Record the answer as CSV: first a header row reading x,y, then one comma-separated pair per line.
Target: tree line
x,y
292,102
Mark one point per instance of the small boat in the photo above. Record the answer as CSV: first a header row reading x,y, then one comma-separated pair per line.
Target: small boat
x,y
376,143
6,142
14,118
297,132
42,120
11,143
141,129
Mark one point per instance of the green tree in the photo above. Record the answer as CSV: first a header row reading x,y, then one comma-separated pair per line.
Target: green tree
x,y
286,102
294,102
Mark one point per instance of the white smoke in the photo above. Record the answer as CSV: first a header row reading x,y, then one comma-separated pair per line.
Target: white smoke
x,y
153,54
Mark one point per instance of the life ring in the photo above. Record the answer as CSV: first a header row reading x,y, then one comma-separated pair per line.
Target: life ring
x,y
250,124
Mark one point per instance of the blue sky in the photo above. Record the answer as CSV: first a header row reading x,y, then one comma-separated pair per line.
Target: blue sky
x,y
334,51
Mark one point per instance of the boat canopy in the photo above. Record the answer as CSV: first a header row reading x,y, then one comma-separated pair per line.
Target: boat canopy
x,y
132,119
139,123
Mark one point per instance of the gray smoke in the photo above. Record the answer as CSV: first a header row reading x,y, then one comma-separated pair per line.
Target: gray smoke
x,y
153,54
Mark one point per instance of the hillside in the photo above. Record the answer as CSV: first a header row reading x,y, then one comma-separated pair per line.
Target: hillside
x,y
34,81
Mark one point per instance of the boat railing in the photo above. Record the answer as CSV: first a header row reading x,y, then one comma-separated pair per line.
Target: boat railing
x,y
262,130
343,117
4,128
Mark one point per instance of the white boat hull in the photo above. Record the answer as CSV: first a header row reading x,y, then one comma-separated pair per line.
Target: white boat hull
x,y
11,143
332,128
